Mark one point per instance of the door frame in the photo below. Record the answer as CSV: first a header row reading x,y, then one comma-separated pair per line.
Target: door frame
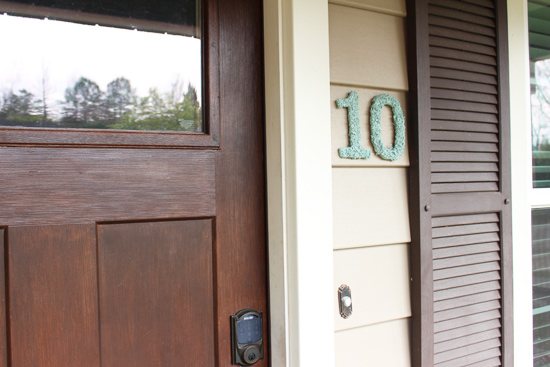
x,y
299,182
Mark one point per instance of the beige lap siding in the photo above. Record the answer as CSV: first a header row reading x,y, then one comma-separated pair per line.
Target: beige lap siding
x,y
370,203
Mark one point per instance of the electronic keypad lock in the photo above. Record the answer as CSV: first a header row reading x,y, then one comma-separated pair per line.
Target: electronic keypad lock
x,y
246,337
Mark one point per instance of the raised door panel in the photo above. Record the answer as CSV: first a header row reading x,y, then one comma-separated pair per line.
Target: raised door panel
x,y
155,293
53,308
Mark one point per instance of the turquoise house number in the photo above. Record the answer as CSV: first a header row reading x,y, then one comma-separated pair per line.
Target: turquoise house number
x,y
355,149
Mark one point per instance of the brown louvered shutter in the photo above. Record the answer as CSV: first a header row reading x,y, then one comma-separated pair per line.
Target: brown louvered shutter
x,y
460,205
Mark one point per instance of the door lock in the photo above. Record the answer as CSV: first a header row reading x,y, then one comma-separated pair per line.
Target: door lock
x,y
246,337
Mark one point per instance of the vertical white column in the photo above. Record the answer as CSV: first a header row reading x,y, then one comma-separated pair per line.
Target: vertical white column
x,y
521,181
299,182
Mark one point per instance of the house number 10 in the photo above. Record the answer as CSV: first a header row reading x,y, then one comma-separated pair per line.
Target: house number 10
x,y
355,149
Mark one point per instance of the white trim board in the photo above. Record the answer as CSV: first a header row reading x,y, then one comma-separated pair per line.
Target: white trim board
x,y
299,182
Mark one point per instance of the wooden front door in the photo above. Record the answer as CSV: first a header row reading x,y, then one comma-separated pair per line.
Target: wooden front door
x,y
134,249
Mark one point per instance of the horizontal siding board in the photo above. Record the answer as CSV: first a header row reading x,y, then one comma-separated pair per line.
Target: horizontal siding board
x,y
463,85
378,273
471,358
462,46
464,229
462,35
464,219
465,240
352,61
439,72
467,310
457,24
464,167
464,126
465,250
444,104
460,261
466,270
464,147
467,330
467,279
463,157
354,190
453,54
466,290
383,344
465,7
466,340
460,15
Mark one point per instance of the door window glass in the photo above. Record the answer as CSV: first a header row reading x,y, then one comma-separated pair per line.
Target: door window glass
x,y
116,65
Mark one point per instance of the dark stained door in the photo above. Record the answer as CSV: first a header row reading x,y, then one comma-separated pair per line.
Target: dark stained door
x,y
137,254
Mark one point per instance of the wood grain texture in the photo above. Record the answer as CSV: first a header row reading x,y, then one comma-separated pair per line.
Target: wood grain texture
x,y
82,185
340,127
53,296
4,349
379,280
155,292
354,35
240,237
369,207
384,344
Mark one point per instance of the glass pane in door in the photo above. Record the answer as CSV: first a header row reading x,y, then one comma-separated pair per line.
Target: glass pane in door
x,y
117,65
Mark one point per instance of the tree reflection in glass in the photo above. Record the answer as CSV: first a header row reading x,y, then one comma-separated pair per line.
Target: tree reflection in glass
x,y
68,75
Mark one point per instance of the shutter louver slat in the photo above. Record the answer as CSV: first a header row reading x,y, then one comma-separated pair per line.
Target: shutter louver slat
x,y
454,24
461,75
462,85
471,358
463,147
462,35
475,48
462,55
465,7
458,95
468,310
460,15
465,280
465,341
464,351
463,126
443,104
460,171
466,331
464,136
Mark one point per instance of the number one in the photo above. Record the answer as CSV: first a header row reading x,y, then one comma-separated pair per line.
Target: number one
x,y
355,150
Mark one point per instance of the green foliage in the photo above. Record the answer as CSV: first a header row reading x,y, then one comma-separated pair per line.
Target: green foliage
x,y
86,106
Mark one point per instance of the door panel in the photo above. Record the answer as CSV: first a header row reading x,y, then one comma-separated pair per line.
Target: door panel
x,y
52,296
75,185
155,293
